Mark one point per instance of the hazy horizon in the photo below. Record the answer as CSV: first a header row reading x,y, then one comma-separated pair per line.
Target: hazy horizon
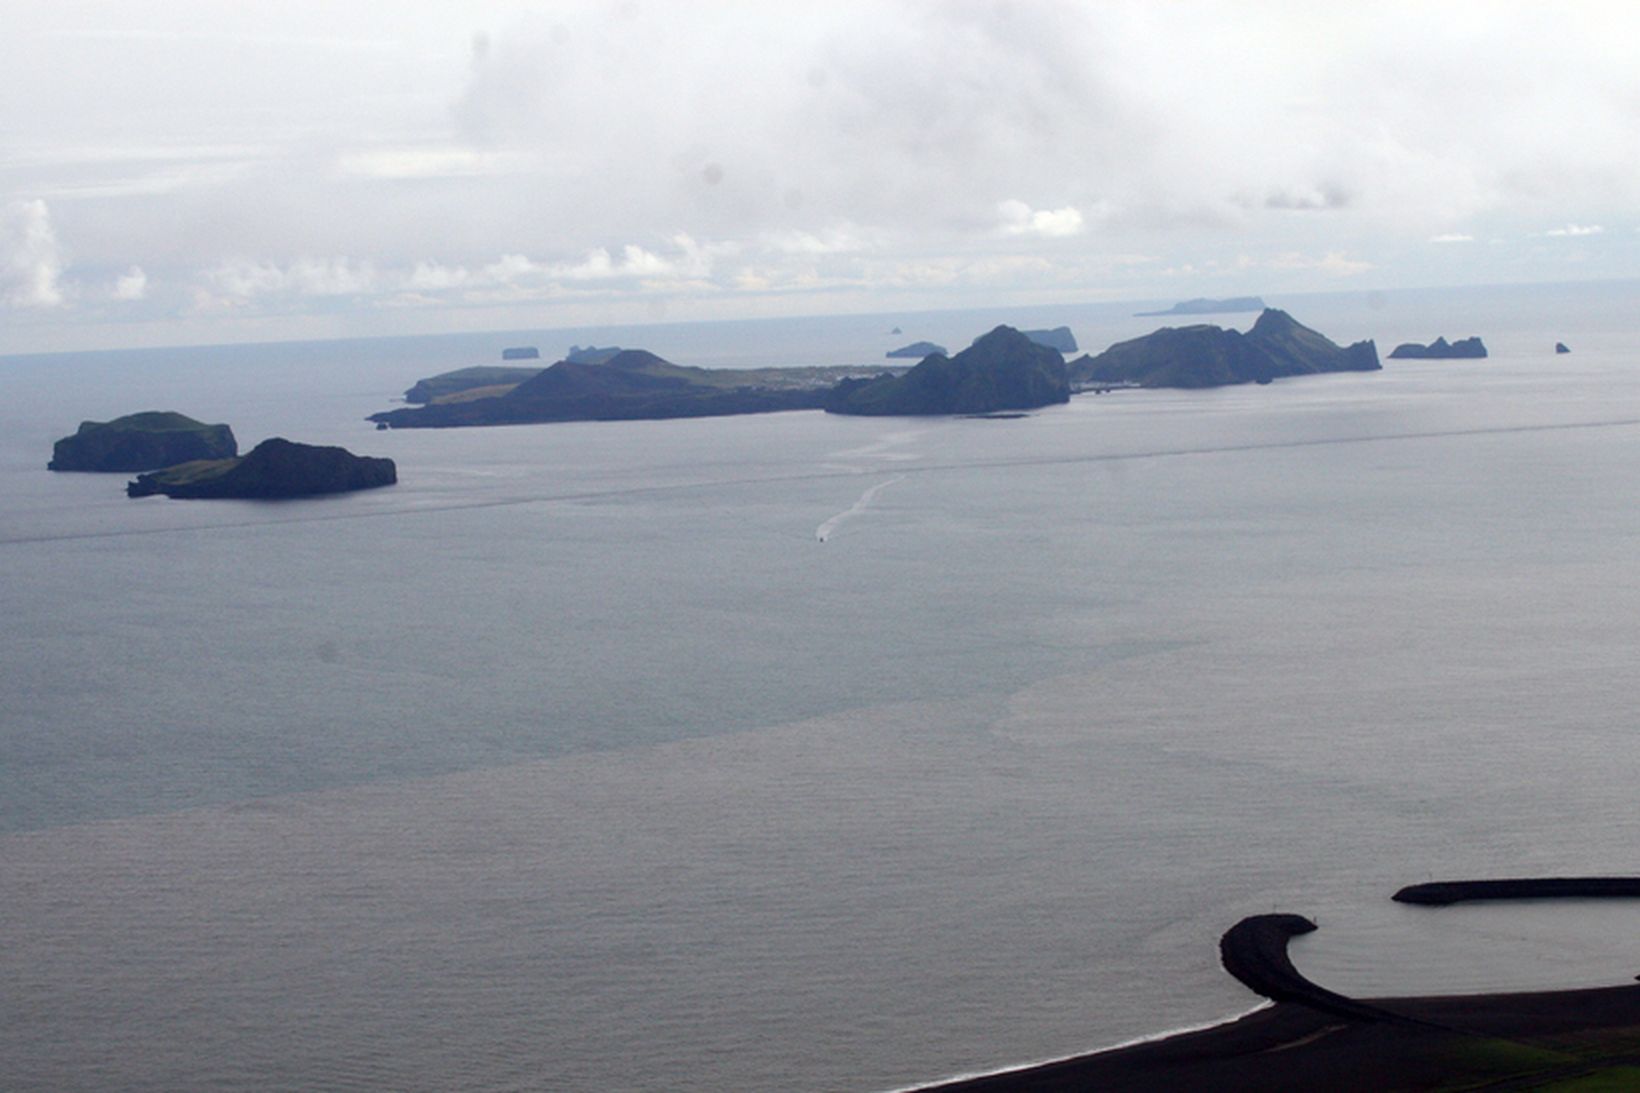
x,y
198,175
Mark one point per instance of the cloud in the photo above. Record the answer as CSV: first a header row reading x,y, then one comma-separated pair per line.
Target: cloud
x,y
30,264
237,283
131,285
1309,198
1017,218
1576,229
1452,237
1333,263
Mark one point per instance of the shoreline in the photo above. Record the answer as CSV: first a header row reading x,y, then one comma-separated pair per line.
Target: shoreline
x,y
1486,1038
1309,1037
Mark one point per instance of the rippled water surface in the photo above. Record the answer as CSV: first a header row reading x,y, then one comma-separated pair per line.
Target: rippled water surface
x,y
807,751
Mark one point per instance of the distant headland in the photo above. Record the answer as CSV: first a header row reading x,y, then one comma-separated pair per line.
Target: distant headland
x,y
1201,305
916,350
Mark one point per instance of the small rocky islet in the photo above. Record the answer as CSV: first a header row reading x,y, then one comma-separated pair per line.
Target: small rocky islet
x,y
1440,350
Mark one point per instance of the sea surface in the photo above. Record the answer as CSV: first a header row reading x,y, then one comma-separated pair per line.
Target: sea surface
x,y
808,752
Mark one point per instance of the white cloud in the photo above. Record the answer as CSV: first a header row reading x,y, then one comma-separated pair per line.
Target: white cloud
x,y
1576,229
131,285
430,162
236,283
1017,218
1452,237
434,277
509,268
30,264
1333,263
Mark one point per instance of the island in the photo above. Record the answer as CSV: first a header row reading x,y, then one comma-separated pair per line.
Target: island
x,y
631,385
591,354
521,353
1210,356
1060,338
464,381
1315,1038
276,468
1440,349
916,350
141,442
1002,370
1204,306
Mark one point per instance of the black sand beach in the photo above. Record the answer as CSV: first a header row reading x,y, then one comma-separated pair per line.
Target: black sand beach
x,y
1314,1039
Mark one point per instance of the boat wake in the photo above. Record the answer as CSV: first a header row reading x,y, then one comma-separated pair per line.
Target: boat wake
x,y
824,531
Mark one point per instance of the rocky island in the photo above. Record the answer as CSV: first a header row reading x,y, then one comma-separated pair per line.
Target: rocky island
x,y
1060,338
1440,349
141,442
1210,356
521,353
916,350
1003,370
275,468
1204,306
633,384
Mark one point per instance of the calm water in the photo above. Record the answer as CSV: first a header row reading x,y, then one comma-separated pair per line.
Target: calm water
x,y
578,760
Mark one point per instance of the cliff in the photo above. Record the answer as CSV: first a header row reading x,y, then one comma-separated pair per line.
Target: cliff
x,y
1060,338
1003,370
275,468
1210,356
1440,349
141,442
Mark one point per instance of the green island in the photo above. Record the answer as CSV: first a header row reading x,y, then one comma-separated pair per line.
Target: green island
x,y
1004,371
276,468
1202,355
631,384
141,442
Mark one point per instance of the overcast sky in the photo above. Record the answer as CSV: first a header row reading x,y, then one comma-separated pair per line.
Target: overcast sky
x,y
192,171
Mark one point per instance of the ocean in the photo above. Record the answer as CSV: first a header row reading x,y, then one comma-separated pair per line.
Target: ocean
x,y
800,751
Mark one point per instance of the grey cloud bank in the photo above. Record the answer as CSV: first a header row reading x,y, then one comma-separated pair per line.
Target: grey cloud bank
x,y
199,174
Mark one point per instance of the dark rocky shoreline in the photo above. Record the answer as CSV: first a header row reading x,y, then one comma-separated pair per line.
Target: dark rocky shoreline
x,y
1313,1038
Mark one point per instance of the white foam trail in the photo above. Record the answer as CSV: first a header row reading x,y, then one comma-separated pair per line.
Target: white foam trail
x,y
823,532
